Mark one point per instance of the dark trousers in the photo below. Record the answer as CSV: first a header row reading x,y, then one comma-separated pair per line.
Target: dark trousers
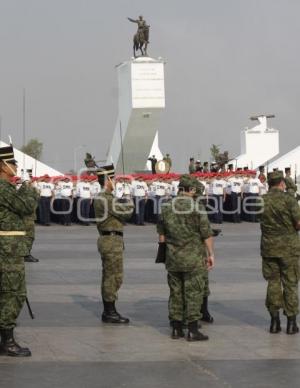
x,y
218,215
85,206
250,207
44,210
236,207
66,207
139,203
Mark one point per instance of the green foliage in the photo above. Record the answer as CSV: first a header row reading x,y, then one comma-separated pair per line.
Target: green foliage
x,y
33,148
214,151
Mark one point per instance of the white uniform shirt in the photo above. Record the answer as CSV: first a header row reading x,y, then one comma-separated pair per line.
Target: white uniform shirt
x,y
95,189
83,190
236,185
160,188
45,189
151,190
217,187
174,188
139,189
253,186
65,188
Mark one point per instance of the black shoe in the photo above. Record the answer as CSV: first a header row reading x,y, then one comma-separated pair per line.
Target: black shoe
x,y
9,347
194,334
177,331
275,323
292,327
30,259
110,314
206,317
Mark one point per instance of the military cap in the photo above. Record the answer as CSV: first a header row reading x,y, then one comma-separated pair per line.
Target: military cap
x,y
108,170
7,154
275,177
186,181
105,172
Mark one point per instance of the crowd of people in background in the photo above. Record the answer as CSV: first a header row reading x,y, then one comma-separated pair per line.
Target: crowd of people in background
x,y
69,199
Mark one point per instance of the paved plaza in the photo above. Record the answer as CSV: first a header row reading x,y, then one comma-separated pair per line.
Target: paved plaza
x,y
72,348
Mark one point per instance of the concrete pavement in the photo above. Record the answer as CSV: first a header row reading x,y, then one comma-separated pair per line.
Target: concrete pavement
x,y
72,348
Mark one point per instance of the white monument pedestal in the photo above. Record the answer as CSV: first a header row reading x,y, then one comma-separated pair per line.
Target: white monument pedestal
x,y
141,103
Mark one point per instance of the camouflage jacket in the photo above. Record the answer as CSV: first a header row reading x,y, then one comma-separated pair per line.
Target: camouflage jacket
x,y
15,205
280,214
111,213
185,232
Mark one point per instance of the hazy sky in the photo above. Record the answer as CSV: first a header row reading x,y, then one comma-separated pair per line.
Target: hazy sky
x,y
226,60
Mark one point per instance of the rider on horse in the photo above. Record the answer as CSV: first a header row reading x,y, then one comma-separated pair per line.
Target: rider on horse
x,y
143,29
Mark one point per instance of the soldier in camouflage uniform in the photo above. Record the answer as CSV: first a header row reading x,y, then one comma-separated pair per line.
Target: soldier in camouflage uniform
x,y
280,251
187,235
291,187
14,206
111,214
29,222
205,314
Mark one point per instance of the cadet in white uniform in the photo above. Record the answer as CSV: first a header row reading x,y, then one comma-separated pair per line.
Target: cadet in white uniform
x,y
65,187
160,188
84,196
46,191
217,197
251,192
139,193
235,185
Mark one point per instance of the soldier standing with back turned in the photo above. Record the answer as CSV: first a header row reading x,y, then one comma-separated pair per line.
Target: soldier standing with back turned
x,y
111,214
280,251
15,205
187,235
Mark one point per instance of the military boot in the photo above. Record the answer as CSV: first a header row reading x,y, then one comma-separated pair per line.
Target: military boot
x,y
194,334
275,323
110,314
9,347
206,317
177,331
30,259
292,327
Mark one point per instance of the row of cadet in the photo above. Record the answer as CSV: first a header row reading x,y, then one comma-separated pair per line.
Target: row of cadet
x,y
231,196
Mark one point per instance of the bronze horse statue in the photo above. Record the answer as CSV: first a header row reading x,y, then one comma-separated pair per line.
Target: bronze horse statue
x,y
140,42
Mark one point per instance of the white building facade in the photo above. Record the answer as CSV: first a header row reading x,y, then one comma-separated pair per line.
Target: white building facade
x,y
258,144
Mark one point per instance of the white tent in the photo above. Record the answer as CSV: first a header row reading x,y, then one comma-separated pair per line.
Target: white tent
x,y
291,159
27,162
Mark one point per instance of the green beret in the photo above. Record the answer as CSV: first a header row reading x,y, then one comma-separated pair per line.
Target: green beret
x,y
187,181
275,177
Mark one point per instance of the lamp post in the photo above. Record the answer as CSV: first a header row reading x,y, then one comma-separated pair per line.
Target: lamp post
x,y
75,156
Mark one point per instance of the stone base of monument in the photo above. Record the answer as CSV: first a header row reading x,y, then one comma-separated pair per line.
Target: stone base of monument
x,y
141,102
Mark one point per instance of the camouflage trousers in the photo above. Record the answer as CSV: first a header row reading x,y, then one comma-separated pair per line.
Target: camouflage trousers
x,y
206,290
186,295
30,235
111,251
12,290
282,275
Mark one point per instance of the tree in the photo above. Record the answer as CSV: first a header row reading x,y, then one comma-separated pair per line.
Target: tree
x,y
215,151
33,148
